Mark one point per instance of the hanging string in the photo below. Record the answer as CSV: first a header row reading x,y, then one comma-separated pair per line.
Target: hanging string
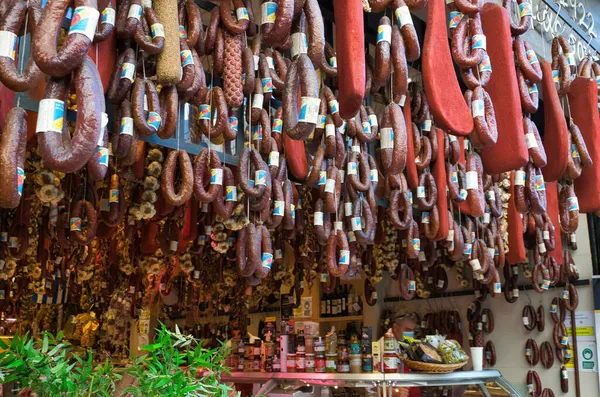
x,y
23,45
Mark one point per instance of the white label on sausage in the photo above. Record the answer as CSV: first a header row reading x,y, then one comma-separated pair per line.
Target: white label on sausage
x,y
338,225
403,16
342,175
570,58
146,3
309,110
108,16
532,57
334,106
539,183
299,44
497,288
477,108
344,257
542,248
520,178
472,180
84,21
455,18
384,33
478,41
257,101
242,13
374,176
330,185
352,170
515,293
355,148
426,126
270,62
491,195
373,120
322,178
274,158
173,245
348,209
356,224
401,100
230,193
546,234
486,218
573,204
128,71
157,30
386,138
256,60
135,11
425,217
51,113
329,130
322,120
420,191
452,138
530,140
8,44
103,129
318,219
260,178
475,264
268,12
279,209
573,238
450,236
216,176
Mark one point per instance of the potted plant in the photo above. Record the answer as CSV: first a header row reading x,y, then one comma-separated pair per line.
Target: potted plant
x,y
49,368
178,365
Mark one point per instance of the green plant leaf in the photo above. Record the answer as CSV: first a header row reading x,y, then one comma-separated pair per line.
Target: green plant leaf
x,y
45,344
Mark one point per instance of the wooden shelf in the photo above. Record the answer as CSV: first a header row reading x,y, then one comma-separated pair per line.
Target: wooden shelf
x,y
340,319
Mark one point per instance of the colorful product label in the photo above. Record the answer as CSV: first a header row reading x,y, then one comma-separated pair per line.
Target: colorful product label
x,y
108,16
113,196
267,85
128,71
20,180
384,33
182,33
455,18
157,30
309,110
485,65
269,11
103,156
75,224
204,112
186,58
525,9
231,193
51,114
154,120
84,21
267,260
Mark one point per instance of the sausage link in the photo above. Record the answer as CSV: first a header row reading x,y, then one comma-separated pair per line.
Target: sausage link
x,y
167,184
73,52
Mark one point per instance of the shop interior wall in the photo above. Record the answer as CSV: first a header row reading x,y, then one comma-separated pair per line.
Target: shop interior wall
x,y
509,335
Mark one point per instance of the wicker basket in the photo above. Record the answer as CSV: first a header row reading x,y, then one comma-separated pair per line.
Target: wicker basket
x,y
419,366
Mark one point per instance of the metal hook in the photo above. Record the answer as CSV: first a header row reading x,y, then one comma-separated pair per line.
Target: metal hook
x,y
587,48
538,19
